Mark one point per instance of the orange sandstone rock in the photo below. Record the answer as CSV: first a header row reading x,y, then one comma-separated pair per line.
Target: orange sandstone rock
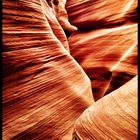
x,y
112,117
44,89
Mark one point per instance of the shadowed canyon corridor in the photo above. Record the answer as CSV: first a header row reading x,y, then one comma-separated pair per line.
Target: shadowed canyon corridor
x,y
69,70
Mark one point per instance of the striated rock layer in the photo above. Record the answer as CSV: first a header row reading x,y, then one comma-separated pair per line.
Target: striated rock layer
x,y
105,44
92,14
114,117
45,90
108,56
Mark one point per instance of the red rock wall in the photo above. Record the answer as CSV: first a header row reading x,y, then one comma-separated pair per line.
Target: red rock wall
x,y
50,79
44,89
105,44
113,117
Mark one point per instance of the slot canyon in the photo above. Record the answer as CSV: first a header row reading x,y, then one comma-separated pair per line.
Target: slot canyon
x,y
69,70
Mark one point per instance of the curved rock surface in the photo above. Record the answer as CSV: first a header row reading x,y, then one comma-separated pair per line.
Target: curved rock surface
x,y
105,44
44,89
50,77
92,14
108,56
112,117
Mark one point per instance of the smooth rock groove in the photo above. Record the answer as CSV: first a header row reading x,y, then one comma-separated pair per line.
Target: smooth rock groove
x,y
55,85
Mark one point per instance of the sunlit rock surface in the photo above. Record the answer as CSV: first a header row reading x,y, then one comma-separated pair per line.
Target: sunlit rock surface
x,y
44,89
50,77
112,117
105,44
92,14
108,56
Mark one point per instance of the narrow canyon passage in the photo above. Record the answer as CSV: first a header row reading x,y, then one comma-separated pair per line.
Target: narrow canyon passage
x,y
69,70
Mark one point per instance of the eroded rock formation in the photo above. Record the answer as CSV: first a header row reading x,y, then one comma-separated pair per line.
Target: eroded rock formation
x,y
112,117
108,56
49,79
44,89
105,44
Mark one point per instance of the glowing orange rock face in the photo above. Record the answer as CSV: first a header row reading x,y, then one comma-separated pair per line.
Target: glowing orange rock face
x,y
112,117
105,44
108,56
92,14
45,90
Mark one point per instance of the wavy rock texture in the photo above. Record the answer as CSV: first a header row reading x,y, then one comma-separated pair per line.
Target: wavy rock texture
x,y
92,14
45,90
105,46
113,117
106,43
108,56
62,15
